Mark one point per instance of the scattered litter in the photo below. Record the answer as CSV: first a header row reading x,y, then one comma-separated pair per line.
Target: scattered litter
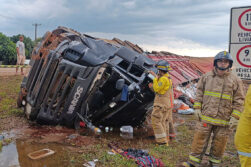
x,y
126,129
146,151
186,100
126,132
141,157
91,163
73,136
187,93
187,111
110,152
189,90
182,108
107,128
41,153
177,104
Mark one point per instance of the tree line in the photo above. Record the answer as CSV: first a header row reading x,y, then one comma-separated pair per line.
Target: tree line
x,y
8,54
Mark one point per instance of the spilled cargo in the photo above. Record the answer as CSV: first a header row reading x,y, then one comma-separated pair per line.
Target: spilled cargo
x,y
74,74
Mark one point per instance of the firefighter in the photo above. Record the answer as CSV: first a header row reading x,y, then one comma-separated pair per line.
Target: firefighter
x,y
218,105
162,107
243,133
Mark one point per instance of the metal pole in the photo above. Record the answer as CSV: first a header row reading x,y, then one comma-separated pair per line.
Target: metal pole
x,y
36,24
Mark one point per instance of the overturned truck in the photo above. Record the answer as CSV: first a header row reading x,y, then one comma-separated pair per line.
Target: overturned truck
x,y
76,76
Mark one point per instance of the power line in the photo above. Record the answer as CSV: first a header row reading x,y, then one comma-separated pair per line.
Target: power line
x,y
36,24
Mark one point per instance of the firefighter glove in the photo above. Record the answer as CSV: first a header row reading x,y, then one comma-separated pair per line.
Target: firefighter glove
x,y
233,123
197,113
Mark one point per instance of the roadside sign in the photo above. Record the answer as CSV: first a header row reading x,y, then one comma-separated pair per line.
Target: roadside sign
x,y
240,41
242,62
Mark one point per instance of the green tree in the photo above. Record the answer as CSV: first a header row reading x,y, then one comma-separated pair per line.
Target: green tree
x,y
37,41
7,50
29,44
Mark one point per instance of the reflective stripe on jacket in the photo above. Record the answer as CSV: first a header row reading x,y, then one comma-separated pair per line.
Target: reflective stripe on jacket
x,y
163,91
219,97
243,132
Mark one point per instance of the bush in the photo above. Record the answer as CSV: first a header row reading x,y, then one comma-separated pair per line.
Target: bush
x,y
7,49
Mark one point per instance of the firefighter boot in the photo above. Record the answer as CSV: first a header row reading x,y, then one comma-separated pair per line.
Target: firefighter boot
x,y
162,143
213,164
187,164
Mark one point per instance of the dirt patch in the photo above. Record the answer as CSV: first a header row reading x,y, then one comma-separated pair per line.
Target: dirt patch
x,y
12,71
12,122
59,134
21,128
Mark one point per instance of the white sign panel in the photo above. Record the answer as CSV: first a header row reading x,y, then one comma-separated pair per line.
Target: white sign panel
x,y
242,62
240,41
240,25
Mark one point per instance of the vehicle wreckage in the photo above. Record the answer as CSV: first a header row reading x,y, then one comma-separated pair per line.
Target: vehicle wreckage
x,y
75,76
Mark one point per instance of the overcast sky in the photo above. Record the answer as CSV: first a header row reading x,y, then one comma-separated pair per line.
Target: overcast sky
x,y
185,27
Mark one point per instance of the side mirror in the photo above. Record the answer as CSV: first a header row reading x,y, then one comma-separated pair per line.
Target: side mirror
x,y
119,84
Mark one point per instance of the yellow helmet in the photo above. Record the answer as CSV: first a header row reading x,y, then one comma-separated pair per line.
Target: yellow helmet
x,y
163,65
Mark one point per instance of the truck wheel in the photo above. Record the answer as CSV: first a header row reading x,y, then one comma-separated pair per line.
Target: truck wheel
x,y
19,99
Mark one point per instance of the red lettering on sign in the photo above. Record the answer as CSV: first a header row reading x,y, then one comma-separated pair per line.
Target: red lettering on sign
x,y
239,20
238,56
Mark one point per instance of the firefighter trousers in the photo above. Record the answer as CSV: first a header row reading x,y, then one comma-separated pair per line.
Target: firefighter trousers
x,y
160,123
204,131
245,161
170,130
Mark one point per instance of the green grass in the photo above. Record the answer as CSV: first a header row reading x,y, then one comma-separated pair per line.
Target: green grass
x,y
100,152
9,88
170,156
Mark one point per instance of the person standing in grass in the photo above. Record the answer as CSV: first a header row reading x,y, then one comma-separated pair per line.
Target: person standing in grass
x,y
20,53
163,103
218,106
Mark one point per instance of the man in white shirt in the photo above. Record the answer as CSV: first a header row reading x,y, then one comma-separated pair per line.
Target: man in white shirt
x,y
20,53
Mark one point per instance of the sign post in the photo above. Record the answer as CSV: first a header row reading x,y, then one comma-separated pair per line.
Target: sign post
x,y
240,41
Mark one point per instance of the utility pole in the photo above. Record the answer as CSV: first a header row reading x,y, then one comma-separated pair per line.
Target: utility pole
x,y
36,29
